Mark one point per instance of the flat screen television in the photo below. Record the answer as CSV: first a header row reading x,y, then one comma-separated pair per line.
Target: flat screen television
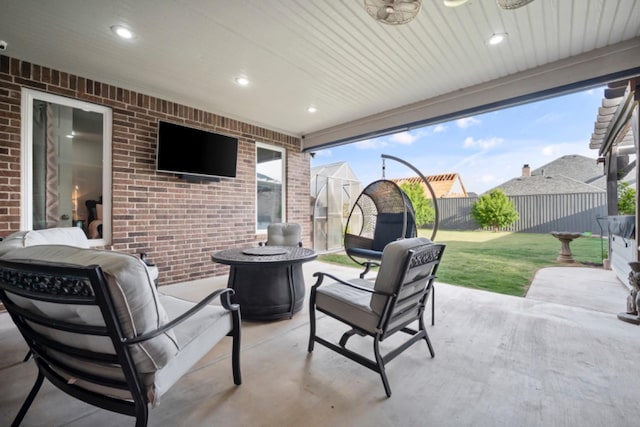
x,y
192,152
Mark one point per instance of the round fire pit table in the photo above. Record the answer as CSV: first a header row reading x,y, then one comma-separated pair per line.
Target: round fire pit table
x,y
565,238
268,280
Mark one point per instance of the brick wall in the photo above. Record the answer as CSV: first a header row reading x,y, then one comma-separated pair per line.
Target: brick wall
x,y
178,223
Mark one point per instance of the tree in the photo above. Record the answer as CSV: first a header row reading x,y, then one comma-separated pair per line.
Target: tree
x,y
494,210
423,207
626,199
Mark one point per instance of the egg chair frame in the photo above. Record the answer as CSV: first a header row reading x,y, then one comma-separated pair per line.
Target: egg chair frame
x,y
381,214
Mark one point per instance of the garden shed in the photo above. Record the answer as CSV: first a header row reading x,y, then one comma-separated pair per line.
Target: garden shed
x,y
334,189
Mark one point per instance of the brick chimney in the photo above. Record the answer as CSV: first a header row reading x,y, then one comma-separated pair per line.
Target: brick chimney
x,y
526,170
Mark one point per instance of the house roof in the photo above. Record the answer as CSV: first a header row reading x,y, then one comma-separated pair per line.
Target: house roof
x,y
567,174
546,184
364,77
574,166
340,173
337,169
443,185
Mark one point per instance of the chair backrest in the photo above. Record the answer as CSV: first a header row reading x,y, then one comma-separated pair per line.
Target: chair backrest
x,y
389,227
284,234
74,306
407,271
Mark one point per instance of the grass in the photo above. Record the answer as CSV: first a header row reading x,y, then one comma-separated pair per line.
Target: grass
x,y
499,262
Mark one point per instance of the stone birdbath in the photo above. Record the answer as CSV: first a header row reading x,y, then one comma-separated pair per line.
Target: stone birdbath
x,y
565,238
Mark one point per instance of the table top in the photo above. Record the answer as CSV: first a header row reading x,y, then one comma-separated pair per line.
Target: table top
x,y
282,255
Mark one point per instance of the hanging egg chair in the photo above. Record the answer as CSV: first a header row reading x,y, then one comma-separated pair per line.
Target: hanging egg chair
x,y
381,214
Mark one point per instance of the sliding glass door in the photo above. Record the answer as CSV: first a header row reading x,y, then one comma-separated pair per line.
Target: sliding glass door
x,y
66,165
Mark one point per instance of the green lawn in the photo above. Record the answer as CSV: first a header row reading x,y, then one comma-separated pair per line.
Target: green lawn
x,y
500,262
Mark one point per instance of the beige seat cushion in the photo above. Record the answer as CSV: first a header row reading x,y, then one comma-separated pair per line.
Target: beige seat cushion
x,y
196,337
391,267
12,241
134,294
349,303
69,236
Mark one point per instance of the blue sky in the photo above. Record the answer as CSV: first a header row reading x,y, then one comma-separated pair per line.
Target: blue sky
x,y
485,149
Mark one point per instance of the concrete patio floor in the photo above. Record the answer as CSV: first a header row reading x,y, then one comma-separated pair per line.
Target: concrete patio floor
x,y
559,357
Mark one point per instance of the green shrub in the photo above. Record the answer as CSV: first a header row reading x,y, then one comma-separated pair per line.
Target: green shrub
x,y
626,199
423,207
494,210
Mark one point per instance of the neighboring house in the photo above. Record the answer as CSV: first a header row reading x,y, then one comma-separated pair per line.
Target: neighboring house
x,y
567,174
444,185
567,194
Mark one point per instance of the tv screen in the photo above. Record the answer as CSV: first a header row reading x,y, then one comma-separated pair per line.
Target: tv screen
x,y
195,152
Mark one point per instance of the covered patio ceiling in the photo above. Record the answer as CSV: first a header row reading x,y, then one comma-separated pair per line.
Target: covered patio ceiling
x,y
363,77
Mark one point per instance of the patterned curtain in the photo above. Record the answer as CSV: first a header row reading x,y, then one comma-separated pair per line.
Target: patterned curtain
x,y
51,191
39,163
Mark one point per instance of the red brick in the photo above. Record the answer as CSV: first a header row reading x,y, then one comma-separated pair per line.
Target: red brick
x,y
177,223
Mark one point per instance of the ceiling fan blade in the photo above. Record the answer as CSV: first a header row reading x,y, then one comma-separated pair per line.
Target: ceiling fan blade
x,y
383,13
393,12
406,6
513,4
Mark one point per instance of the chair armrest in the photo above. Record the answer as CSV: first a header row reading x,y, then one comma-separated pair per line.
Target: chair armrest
x,y
225,299
321,276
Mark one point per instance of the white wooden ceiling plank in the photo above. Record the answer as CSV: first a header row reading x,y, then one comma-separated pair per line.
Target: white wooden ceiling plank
x,y
300,51
563,10
595,12
627,20
578,23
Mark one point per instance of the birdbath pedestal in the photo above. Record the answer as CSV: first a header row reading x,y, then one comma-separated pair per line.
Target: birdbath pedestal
x,y
565,238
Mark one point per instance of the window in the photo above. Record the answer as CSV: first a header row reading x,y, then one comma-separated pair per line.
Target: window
x,y
270,188
66,165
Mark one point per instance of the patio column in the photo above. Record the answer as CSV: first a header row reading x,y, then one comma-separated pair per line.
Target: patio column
x,y
635,131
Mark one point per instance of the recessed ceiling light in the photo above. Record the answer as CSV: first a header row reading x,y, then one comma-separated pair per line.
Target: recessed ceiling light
x,y
242,81
497,38
122,32
312,109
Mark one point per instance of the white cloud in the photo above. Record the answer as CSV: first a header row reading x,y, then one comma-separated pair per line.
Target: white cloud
x,y
466,122
439,128
370,144
467,162
404,138
553,117
566,148
489,179
482,143
549,150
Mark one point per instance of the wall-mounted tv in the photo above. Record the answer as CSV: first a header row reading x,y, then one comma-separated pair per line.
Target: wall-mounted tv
x,y
194,152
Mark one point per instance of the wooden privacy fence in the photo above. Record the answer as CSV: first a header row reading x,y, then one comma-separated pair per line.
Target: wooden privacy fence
x,y
539,213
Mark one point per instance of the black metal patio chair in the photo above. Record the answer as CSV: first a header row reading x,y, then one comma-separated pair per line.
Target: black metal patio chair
x,y
100,332
396,300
